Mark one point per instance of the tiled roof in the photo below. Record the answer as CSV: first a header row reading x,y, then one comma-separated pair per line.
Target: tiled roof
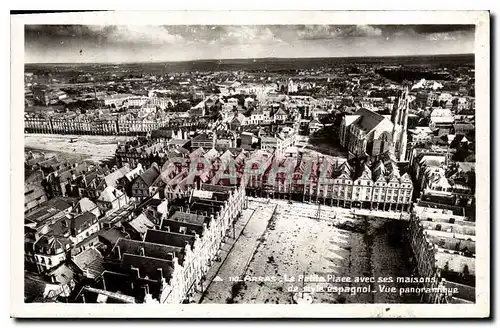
x,y
85,260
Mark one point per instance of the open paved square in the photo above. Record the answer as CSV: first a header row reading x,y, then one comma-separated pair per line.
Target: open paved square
x,y
297,251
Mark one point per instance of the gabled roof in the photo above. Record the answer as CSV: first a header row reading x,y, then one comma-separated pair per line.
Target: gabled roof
x,y
82,221
90,259
114,176
368,120
110,194
149,176
141,223
280,112
85,205
211,154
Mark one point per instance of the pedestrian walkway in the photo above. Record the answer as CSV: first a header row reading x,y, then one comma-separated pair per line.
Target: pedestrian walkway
x,y
236,262
225,248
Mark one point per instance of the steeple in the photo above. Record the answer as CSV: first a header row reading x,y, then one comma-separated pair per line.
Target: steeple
x,y
399,119
403,135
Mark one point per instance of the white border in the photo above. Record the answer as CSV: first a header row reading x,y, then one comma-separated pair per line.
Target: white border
x,y
480,309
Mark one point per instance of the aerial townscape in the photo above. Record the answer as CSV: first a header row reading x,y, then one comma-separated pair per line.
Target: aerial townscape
x,y
261,180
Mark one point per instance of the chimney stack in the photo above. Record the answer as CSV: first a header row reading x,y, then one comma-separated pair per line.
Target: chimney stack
x,y
160,270
119,253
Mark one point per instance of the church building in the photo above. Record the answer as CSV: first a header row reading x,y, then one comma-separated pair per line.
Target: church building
x,y
367,133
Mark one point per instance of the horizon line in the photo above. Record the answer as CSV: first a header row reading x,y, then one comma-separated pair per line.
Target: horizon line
x,y
245,58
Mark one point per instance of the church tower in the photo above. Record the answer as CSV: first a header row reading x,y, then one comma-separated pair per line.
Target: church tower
x,y
399,118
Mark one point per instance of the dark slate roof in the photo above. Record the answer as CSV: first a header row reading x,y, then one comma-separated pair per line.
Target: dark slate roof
x,y
112,235
148,266
168,238
33,288
368,120
190,218
133,247
175,226
217,188
58,204
82,221
150,175
208,206
35,177
162,133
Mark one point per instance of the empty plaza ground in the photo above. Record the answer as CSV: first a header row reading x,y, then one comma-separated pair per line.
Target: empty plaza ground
x,y
296,242
94,148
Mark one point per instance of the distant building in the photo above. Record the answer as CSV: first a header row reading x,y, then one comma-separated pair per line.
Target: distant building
x,y
442,120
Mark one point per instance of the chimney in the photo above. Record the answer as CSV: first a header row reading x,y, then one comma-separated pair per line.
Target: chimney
x,y
141,251
160,270
119,252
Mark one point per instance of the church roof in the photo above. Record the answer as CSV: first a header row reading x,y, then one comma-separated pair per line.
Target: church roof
x,y
368,120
